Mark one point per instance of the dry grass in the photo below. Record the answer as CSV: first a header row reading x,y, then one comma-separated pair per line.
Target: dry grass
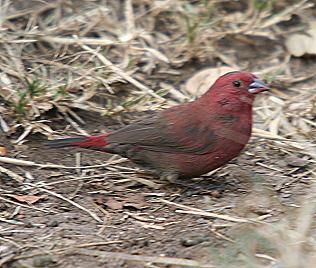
x,y
62,55
109,56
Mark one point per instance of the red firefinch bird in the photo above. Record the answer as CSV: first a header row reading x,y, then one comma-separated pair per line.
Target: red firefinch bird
x,y
189,139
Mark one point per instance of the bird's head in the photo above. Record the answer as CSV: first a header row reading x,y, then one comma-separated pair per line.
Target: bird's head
x,y
236,89
240,83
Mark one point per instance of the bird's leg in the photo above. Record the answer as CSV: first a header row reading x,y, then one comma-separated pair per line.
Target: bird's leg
x,y
170,176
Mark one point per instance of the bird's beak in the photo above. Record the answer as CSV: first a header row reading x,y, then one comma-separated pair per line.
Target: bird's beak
x,y
257,86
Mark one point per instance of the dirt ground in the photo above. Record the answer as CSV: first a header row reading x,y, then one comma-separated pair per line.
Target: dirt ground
x,y
136,219
100,211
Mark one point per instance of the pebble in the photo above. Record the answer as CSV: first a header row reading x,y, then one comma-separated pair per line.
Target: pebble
x,y
43,261
192,240
53,223
296,161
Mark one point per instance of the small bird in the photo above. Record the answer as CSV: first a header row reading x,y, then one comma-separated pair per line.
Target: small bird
x,y
189,139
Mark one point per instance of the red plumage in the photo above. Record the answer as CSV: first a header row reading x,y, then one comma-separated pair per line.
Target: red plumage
x,y
190,139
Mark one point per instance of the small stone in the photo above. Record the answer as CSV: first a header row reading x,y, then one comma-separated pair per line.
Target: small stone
x,y
296,161
192,240
64,208
216,194
43,261
4,249
53,223
28,224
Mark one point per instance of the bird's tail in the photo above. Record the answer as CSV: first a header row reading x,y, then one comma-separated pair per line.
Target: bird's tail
x,y
85,142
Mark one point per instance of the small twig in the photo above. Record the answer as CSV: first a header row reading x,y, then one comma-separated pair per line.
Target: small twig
x,y
98,244
77,41
268,167
218,234
213,215
74,124
11,221
268,135
79,174
22,205
20,162
11,242
6,259
92,214
266,257
196,211
12,174
129,16
273,20
26,132
31,11
78,164
75,179
4,126
137,179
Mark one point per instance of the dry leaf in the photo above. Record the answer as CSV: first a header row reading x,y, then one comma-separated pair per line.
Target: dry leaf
x,y
44,106
114,204
201,82
3,151
30,199
136,202
295,161
150,225
302,43
157,54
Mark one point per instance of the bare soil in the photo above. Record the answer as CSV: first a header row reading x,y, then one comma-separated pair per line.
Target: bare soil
x,y
135,220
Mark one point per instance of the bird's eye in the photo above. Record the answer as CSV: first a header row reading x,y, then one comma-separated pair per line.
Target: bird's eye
x,y
237,83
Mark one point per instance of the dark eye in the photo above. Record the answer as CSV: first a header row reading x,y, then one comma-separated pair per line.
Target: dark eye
x,y
237,83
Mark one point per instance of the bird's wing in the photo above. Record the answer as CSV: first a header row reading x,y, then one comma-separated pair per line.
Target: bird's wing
x,y
173,131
